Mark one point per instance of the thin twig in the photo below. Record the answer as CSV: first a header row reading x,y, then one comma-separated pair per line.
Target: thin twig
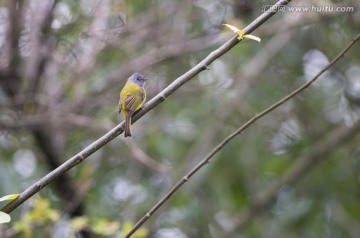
x,y
232,136
95,146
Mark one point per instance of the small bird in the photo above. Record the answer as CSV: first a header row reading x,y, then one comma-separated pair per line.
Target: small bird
x,y
132,97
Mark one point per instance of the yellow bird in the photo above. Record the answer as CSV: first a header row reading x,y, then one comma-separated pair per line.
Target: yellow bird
x,y
132,97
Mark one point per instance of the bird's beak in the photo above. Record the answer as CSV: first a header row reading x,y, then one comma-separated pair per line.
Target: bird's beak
x,y
146,79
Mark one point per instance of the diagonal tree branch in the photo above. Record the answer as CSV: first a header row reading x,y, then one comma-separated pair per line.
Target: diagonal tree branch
x,y
78,158
206,160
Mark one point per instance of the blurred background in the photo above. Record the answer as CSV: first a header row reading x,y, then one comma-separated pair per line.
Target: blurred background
x,y
294,173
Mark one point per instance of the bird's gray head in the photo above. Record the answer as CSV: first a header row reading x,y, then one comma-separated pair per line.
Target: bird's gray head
x,y
138,79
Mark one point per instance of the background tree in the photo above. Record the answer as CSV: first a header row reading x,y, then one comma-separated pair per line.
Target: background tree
x,y
64,62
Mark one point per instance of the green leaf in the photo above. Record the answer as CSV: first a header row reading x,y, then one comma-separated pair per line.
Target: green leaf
x,y
241,33
9,197
4,218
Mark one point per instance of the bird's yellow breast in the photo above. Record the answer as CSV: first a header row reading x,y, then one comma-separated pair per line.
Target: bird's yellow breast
x,y
130,88
138,94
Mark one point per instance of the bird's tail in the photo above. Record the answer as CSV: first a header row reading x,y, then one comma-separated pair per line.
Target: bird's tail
x,y
128,125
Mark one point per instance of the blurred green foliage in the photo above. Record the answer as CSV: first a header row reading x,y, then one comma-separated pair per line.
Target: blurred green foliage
x,y
93,46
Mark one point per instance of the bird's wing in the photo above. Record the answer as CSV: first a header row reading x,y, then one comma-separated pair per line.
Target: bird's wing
x,y
133,102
